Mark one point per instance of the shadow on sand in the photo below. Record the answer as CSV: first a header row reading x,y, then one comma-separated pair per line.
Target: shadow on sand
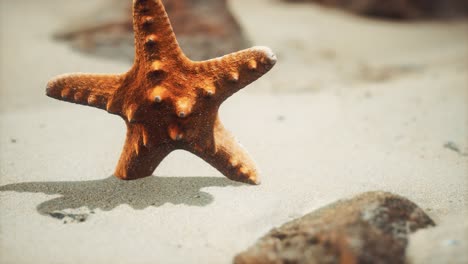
x,y
111,192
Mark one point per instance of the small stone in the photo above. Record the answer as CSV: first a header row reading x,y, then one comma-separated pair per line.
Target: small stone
x,y
452,146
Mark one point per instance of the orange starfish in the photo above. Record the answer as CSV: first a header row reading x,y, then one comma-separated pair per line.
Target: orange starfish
x,y
168,101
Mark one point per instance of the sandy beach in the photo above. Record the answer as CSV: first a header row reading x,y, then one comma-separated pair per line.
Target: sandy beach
x,y
353,105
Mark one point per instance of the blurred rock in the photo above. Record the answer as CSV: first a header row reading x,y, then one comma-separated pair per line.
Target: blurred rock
x,y
204,28
400,9
370,228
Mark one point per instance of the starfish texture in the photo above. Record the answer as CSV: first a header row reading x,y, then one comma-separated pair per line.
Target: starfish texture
x,y
168,101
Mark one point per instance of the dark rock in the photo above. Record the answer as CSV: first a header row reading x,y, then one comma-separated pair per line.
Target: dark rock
x,y
400,9
370,228
204,28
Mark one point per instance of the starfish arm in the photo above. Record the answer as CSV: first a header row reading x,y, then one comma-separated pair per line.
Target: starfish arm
x,y
86,89
139,157
154,36
234,71
229,157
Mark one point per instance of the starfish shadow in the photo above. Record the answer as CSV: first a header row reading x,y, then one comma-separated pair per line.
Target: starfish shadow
x,y
107,194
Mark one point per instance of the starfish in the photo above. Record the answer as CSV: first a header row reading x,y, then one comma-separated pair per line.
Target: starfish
x,y
168,101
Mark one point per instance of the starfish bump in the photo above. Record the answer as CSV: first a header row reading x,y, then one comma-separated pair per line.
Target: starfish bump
x,y
168,101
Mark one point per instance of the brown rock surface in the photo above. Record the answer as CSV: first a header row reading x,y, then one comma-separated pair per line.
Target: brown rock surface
x,y
108,31
370,228
400,9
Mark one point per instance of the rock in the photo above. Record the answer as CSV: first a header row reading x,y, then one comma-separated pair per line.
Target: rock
x,y
400,9
205,29
370,228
